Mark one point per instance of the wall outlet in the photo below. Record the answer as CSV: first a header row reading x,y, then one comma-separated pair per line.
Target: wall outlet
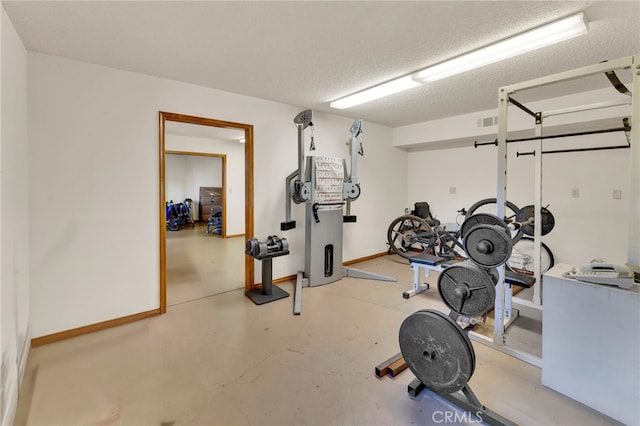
x,y
617,194
452,190
575,193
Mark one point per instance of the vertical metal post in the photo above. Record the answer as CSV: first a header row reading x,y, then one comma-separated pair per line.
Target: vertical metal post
x,y
301,176
356,129
633,251
289,191
267,276
503,107
537,215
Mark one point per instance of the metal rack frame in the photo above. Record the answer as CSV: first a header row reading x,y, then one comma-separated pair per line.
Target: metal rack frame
x,y
503,300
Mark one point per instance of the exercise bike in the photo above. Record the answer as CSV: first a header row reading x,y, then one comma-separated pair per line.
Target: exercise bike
x,y
178,214
214,222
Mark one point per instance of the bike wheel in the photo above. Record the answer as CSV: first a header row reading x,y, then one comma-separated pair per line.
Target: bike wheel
x,y
522,258
409,234
490,206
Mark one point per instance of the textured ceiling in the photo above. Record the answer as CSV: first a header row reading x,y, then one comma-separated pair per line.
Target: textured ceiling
x,y
310,53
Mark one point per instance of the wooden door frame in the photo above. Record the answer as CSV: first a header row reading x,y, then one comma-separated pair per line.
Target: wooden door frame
x,y
248,199
223,232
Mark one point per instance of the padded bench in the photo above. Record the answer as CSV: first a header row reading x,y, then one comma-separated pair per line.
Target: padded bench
x,y
521,280
427,259
430,262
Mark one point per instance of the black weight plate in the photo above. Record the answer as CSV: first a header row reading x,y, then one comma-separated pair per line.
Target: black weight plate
x,y
494,274
437,351
548,221
488,245
480,219
467,289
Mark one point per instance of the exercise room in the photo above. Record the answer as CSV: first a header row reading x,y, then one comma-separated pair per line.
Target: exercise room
x,y
320,213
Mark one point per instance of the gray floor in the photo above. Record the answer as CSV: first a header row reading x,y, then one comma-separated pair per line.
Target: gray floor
x,y
222,360
201,265
525,332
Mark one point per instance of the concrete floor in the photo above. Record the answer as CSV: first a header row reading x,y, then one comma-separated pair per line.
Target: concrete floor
x,y
201,265
222,360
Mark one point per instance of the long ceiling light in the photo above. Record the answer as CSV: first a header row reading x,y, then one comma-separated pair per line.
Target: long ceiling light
x,y
545,35
385,89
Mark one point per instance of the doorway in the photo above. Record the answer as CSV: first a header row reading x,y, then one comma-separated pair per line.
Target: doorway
x,y
169,119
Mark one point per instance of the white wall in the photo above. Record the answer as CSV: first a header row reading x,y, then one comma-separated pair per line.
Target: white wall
x,y
460,130
94,139
235,173
591,226
14,230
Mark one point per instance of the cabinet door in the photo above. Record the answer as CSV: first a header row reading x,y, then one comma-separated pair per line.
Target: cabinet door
x,y
207,203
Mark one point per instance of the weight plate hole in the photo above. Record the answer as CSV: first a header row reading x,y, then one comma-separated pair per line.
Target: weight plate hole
x,y
430,355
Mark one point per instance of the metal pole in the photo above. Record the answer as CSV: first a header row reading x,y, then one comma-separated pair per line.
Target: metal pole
x,y
563,151
566,135
522,107
356,129
537,215
633,252
503,107
590,107
301,175
289,195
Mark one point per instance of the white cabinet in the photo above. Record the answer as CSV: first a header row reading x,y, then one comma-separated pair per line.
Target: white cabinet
x,y
591,344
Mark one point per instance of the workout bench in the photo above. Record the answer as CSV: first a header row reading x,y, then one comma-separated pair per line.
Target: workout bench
x,y
428,263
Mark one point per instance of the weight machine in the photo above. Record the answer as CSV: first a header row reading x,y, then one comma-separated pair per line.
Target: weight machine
x,y
324,185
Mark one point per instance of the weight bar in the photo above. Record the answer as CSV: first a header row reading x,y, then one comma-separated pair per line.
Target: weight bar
x,y
527,212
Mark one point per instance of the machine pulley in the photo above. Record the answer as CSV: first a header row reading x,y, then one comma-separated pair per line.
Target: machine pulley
x,y
300,191
303,118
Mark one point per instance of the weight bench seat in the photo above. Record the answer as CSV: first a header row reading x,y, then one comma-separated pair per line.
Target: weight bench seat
x,y
515,278
427,259
510,277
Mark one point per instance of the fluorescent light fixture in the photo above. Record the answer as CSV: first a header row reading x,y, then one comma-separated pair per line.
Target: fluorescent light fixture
x,y
545,35
394,86
241,140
